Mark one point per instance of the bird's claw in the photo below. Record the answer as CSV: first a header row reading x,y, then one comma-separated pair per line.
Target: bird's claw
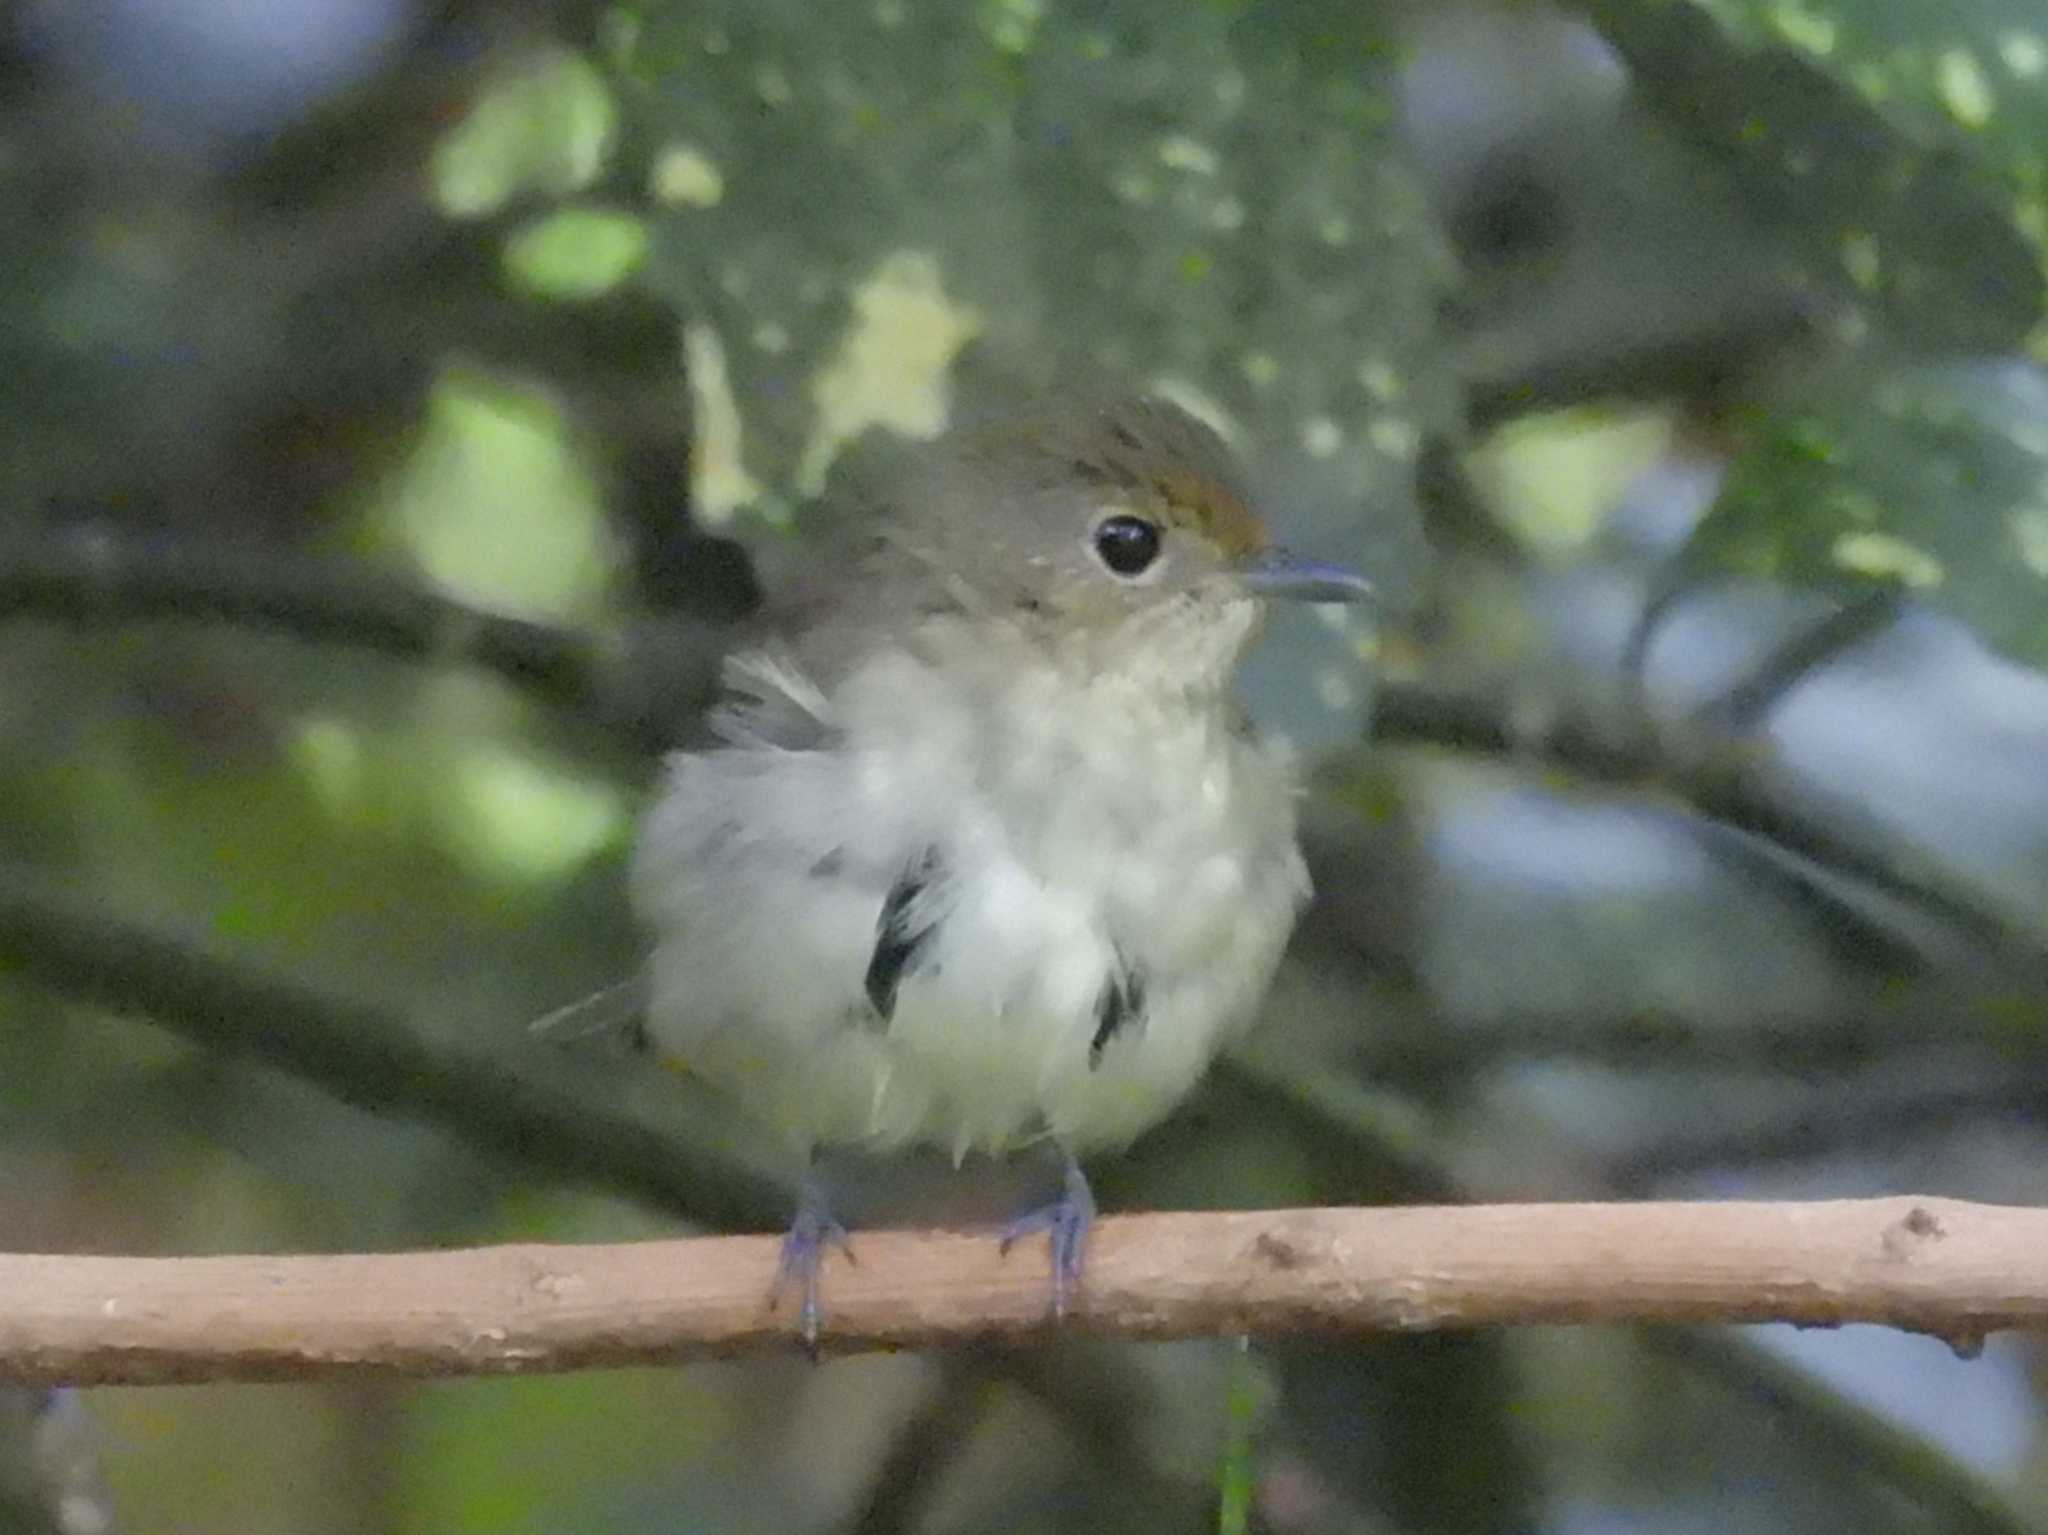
x,y
811,1235
1066,1221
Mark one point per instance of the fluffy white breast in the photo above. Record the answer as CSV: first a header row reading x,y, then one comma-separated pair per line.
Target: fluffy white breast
x,y
1076,837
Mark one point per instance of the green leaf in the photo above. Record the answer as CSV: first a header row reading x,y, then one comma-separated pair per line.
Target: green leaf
x,y
1900,140
890,216
576,253
1935,477
547,127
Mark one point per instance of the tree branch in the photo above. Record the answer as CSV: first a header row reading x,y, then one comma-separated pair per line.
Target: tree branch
x,y
644,681
1716,786
1945,1267
1860,1441
639,682
526,1103
1846,1118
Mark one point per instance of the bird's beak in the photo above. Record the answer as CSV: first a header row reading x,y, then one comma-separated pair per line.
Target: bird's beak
x,y
1276,573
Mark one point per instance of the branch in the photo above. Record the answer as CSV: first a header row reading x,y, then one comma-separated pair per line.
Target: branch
x,y
1745,709
1714,785
638,683
1858,1440
1844,1119
1945,1267
645,681
526,1104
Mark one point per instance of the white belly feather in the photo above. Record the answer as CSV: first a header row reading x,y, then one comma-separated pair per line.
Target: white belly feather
x,y
1076,833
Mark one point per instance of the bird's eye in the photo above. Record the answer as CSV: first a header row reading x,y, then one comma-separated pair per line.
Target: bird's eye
x,y
1127,545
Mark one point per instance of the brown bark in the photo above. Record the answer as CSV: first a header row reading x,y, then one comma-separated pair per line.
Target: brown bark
x,y
1939,1266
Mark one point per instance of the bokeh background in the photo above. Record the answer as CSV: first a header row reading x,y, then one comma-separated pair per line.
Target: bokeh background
x,y
400,397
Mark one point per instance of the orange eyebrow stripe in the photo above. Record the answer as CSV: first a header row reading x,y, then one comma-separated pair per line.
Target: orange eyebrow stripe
x,y
1212,509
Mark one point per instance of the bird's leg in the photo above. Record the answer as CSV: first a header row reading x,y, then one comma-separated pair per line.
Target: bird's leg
x,y
813,1232
1066,1222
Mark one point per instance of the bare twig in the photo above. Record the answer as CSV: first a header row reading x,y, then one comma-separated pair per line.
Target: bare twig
x,y
641,684
1945,1267
1887,1115
526,1103
1716,787
1856,1439
645,683
906,1478
1745,708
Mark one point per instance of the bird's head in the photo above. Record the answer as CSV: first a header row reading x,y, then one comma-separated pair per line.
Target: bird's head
x,y
1121,531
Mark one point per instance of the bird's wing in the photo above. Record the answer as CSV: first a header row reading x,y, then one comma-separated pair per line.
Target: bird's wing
x,y
771,702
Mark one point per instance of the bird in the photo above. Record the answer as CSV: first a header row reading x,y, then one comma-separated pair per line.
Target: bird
x,y
979,851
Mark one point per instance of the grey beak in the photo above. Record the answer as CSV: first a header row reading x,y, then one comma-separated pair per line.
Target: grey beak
x,y
1276,573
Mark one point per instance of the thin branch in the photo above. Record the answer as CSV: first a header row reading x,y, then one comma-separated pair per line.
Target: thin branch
x,y
1742,710
1745,708
645,683
1425,714
637,684
1888,1116
904,1481
1945,1267
524,1103
1714,787
531,1116
1862,1442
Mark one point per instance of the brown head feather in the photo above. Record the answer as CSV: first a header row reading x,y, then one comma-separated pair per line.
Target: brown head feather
x,y
1174,468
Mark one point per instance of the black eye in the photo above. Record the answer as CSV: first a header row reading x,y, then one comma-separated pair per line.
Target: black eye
x,y
1127,545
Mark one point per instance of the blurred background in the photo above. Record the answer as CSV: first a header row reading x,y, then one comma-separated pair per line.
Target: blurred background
x,y
401,396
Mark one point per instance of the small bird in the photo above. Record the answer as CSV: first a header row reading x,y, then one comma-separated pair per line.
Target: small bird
x,y
979,851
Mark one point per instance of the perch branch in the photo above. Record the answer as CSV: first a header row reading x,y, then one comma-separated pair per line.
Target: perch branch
x,y
1952,1269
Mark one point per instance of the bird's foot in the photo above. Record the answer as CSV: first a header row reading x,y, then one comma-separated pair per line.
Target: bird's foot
x,y
1066,1222
813,1233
